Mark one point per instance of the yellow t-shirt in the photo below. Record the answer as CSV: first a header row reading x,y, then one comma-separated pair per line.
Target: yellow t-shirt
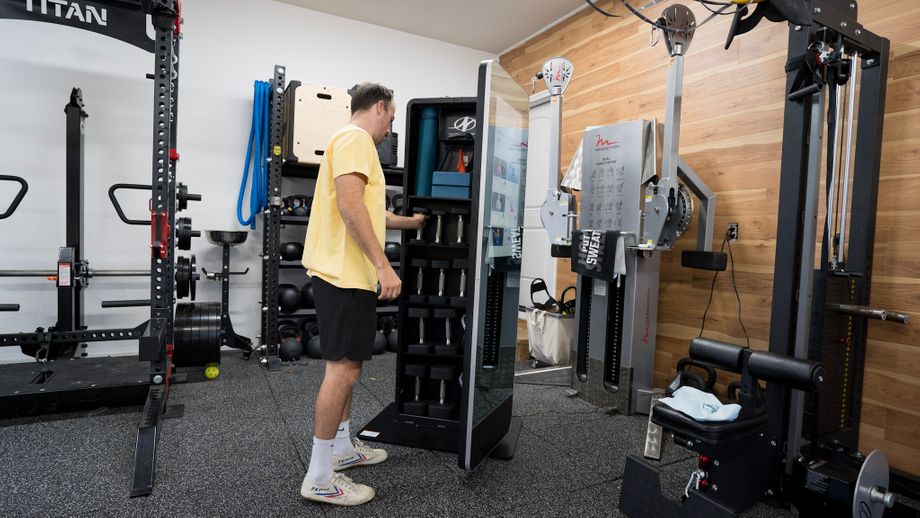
x,y
330,252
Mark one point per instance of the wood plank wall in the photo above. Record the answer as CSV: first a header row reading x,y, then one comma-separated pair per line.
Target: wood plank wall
x,y
731,135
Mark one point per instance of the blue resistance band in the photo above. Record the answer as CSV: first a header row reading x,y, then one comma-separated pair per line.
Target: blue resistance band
x,y
256,155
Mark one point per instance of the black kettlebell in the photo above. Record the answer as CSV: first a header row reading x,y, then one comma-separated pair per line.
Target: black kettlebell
x,y
306,295
313,347
288,298
393,340
291,346
380,341
291,251
391,250
397,203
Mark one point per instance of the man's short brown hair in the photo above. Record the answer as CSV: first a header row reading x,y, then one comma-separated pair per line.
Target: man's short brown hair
x,y
366,95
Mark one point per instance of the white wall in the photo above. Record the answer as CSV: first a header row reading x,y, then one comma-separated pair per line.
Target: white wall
x,y
227,45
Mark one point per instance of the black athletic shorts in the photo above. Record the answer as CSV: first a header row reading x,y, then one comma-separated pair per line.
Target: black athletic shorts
x,y
347,321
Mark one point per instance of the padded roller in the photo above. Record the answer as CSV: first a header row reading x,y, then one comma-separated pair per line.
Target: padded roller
x,y
786,370
446,313
720,354
437,264
419,313
419,370
444,372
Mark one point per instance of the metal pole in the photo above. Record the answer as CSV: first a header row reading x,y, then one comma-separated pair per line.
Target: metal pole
x,y
851,103
806,272
91,273
831,191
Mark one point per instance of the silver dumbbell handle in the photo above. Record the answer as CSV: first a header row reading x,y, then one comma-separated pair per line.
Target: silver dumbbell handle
x,y
418,387
419,279
421,330
444,393
447,330
441,283
462,283
460,228
437,232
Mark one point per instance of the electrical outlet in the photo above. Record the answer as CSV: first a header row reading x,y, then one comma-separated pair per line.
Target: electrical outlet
x,y
732,231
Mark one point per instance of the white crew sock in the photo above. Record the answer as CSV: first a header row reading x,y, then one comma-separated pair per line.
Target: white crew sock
x,y
320,470
343,445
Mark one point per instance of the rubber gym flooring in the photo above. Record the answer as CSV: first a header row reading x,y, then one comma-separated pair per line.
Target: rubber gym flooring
x,y
242,446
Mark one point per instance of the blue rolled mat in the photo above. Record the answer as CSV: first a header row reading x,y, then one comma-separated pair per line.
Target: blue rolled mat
x,y
427,151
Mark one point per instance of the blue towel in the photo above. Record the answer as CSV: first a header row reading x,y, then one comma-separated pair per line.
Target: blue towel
x,y
701,406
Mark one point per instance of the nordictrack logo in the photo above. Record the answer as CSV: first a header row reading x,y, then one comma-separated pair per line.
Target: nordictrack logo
x,y
69,11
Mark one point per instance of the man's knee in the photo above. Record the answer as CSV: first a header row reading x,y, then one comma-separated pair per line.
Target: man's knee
x,y
343,371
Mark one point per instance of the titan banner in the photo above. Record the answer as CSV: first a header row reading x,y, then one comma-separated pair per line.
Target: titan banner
x,y
119,19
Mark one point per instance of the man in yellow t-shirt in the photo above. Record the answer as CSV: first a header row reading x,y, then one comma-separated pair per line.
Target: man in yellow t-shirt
x,y
343,253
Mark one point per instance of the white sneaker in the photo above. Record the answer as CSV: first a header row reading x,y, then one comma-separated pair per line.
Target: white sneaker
x,y
362,456
340,490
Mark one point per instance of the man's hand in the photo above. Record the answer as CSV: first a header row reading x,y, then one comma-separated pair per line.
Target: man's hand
x,y
390,283
415,222
418,221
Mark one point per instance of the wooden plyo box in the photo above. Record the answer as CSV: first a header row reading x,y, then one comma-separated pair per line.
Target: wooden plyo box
x,y
313,113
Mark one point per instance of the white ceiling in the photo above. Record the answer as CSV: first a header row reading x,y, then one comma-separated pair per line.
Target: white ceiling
x,y
490,25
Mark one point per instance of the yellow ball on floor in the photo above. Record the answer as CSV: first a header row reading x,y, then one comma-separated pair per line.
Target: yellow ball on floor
x,y
211,371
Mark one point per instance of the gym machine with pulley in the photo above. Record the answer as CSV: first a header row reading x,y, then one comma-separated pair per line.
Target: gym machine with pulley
x,y
796,443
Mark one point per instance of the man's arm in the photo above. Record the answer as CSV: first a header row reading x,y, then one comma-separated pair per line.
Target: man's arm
x,y
395,222
349,198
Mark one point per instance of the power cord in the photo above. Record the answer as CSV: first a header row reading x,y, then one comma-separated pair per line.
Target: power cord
x,y
712,288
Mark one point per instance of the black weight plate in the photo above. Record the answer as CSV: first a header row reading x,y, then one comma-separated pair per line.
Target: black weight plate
x,y
192,273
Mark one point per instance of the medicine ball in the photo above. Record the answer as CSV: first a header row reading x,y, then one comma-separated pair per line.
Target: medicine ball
x,y
306,295
291,251
288,298
391,250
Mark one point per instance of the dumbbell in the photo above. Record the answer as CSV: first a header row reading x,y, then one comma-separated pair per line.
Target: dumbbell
x,y
461,214
417,406
421,347
421,264
459,300
418,233
440,298
439,225
447,348
443,409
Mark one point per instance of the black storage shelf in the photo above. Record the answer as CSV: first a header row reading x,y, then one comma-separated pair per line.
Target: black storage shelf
x,y
436,199
439,246
275,219
295,220
448,250
393,176
312,312
436,356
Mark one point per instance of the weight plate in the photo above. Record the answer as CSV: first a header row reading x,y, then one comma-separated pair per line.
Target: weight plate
x,y
193,276
870,498
184,233
183,277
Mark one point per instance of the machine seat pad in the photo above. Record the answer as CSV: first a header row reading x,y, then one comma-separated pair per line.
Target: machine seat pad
x,y
710,432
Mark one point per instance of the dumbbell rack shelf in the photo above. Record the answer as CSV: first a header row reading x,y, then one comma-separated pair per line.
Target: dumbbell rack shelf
x,y
275,219
426,369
